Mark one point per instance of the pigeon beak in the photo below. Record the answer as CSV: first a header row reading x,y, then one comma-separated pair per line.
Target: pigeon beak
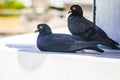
x,y
69,12
36,31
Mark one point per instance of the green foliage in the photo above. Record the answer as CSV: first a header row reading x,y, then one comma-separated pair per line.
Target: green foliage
x,y
11,4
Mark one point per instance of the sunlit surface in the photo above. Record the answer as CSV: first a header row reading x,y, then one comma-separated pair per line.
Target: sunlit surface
x,y
20,59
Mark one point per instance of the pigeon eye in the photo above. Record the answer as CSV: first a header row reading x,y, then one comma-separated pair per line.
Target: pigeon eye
x,y
40,27
74,8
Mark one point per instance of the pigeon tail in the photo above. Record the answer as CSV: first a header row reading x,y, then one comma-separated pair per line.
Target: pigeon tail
x,y
109,44
112,41
92,45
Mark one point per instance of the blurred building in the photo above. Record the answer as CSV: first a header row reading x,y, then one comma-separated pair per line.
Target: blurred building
x,y
52,12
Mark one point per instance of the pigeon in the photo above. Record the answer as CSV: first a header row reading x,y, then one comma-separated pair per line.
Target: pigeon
x,y
86,29
55,42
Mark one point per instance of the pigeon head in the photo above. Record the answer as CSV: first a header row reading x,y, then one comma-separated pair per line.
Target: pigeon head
x,y
76,10
43,29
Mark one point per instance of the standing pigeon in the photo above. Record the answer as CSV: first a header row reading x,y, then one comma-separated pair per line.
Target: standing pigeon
x,y
80,26
47,41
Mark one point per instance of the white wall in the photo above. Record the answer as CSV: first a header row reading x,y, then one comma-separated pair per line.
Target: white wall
x,y
108,17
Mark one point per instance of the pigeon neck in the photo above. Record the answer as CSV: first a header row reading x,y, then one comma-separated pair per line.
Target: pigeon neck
x,y
45,33
77,13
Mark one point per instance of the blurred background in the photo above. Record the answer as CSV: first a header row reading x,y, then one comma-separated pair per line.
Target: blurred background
x,y
22,16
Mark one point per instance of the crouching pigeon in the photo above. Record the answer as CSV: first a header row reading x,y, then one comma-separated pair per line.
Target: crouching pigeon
x,y
82,27
47,41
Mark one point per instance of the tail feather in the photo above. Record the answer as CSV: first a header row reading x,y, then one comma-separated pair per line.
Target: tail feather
x,y
93,46
106,41
109,44
113,42
114,47
96,48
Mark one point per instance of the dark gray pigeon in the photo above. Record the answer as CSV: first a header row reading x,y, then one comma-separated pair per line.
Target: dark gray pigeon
x,y
47,41
80,26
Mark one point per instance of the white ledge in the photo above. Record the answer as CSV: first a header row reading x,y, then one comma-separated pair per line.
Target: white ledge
x,y
21,60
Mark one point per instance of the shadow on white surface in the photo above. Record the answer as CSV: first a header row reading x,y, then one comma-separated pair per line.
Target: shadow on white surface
x,y
25,47
31,62
26,57
31,48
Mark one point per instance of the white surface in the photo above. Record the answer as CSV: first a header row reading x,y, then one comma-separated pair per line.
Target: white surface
x,y
108,17
21,60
